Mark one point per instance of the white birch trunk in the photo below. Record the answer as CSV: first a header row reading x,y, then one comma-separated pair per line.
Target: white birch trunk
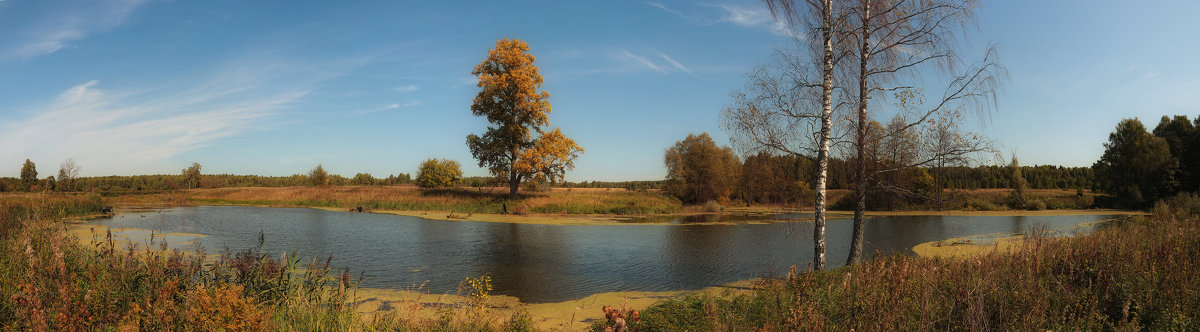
x,y
823,144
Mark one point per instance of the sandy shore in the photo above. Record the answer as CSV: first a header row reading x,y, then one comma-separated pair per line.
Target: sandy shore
x,y
126,237
969,246
572,315
976,245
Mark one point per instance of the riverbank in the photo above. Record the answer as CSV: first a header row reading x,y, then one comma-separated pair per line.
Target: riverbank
x,y
579,205
461,200
1003,243
559,206
1132,275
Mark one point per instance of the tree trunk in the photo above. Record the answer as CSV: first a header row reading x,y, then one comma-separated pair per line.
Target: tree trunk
x,y
860,190
826,126
513,185
514,179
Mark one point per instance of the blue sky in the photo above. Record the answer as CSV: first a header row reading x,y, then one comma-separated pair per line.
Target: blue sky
x,y
274,88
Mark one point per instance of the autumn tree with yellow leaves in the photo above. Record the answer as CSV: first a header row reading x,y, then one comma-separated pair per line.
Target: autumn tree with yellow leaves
x,y
515,147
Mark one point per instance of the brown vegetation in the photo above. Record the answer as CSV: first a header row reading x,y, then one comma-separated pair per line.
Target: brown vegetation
x,y
1132,275
459,200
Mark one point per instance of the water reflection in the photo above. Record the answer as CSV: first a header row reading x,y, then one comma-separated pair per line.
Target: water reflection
x,y
540,263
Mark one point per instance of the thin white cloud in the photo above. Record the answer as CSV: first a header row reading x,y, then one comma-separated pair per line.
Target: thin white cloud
x,y
57,30
140,131
668,9
744,15
676,64
754,17
663,64
642,61
406,88
404,105
391,106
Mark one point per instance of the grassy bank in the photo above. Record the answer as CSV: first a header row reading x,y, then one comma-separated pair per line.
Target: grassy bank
x,y
459,200
51,281
979,200
492,204
1137,274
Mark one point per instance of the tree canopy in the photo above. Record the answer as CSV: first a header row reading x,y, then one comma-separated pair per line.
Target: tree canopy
x,y
318,176
439,173
28,175
67,172
1137,167
1183,140
191,176
699,171
515,146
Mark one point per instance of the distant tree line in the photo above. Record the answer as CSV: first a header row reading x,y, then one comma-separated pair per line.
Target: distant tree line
x,y
766,178
763,179
191,177
1140,167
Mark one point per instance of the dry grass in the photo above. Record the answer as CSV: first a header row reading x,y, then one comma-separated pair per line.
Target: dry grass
x,y
51,281
458,200
1139,274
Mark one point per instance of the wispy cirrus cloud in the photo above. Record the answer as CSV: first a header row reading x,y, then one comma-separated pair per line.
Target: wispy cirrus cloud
x,y
663,64
404,105
140,130
669,10
56,29
641,61
406,88
391,106
744,15
675,64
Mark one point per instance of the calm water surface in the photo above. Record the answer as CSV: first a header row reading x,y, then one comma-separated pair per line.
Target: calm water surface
x,y
550,263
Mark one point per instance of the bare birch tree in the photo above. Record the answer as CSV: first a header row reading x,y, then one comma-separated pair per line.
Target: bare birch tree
x,y
793,105
67,172
780,111
903,38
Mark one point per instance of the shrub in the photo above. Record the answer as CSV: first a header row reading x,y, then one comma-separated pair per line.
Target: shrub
x,y
435,173
1036,205
1180,206
713,206
519,322
223,308
477,289
980,204
318,176
521,209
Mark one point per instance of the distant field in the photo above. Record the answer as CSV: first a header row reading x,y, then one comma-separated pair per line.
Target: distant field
x,y
462,200
550,202
576,201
